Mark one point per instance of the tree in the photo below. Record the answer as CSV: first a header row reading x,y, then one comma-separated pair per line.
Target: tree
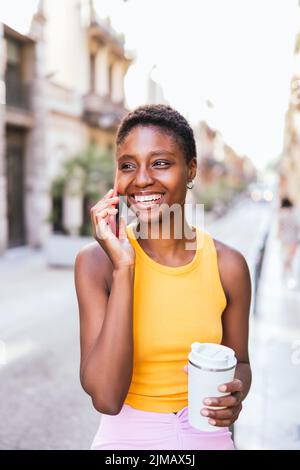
x,y
88,175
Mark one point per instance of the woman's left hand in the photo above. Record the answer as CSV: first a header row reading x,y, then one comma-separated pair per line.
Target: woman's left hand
x,y
232,402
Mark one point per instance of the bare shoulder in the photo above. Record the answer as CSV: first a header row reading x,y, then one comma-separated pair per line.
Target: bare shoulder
x,y
93,263
233,267
229,255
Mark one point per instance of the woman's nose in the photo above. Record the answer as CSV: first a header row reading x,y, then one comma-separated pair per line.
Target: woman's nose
x,y
143,177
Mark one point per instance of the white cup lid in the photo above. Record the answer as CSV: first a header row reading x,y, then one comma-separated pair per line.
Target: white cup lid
x,y
211,355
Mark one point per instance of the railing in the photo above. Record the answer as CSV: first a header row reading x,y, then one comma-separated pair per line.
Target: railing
x,y
102,111
94,103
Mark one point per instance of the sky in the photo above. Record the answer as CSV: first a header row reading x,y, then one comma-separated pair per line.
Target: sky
x,y
238,54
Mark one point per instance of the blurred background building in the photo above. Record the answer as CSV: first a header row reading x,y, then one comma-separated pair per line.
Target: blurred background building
x,y
62,86
223,174
290,163
63,94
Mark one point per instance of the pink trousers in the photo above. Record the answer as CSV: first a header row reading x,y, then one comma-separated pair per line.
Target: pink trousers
x,y
137,429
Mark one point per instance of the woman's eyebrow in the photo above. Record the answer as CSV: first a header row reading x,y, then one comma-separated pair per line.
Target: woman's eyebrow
x,y
127,156
151,154
161,152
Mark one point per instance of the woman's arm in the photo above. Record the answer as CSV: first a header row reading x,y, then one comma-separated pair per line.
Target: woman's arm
x,y
106,329
236,281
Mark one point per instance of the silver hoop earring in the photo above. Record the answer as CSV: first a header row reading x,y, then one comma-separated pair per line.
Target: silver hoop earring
x,y
190,187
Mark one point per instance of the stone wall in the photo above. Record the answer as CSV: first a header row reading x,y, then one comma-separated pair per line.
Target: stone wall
x,y
37,182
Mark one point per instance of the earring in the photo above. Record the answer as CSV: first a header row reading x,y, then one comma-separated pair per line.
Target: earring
x,y
190,187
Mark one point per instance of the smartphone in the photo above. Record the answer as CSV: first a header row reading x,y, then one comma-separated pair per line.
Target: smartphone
x,y
115,222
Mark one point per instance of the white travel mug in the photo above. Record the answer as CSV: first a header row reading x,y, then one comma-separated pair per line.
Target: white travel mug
x,y
210,365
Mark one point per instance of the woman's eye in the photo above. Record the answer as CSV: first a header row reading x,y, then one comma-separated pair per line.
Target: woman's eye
x,y
163,163
159,163
125,166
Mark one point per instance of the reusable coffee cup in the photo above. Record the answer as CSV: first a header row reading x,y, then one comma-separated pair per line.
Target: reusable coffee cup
x,y
210,365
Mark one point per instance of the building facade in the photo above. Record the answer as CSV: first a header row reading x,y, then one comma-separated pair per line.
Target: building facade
x,y
62,86
289,174
216,159
23,118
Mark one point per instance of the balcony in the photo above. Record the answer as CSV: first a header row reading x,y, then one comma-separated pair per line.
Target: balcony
x,y
102,112
18,104
18,95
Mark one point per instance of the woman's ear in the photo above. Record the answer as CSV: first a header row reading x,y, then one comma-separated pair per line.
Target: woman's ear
x,y
192,171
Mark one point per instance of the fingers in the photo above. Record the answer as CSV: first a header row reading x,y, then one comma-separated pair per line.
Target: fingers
x,y
104,203
235,386
105,198
231,403
105,212
230,400
100,206
96,213
234,397
122,229
222,417
101,220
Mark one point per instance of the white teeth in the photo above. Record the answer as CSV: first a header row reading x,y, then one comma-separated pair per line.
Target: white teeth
x,y
151,197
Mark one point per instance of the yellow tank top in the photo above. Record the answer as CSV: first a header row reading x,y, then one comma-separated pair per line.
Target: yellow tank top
x,y
172,308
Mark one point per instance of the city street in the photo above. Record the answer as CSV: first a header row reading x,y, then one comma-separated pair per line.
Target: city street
x,y
45,407
270,418
271,415
144,114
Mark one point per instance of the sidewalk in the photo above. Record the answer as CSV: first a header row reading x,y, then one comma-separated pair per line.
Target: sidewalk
x,y
270,418
44,406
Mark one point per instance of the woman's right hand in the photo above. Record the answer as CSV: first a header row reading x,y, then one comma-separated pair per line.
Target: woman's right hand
x,y
119,250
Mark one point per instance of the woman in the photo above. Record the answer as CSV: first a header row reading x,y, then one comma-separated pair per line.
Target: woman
x,y
144,301
288,233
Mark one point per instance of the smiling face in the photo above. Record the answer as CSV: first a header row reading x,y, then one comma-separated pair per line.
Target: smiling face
x,y
152,171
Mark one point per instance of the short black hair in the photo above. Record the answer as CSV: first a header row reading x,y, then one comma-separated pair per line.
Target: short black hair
x,y
286,202
167,119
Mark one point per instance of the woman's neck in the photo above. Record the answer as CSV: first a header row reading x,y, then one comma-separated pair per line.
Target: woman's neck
x,y
163,244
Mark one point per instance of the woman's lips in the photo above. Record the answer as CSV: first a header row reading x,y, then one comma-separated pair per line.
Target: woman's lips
x,y
146,204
